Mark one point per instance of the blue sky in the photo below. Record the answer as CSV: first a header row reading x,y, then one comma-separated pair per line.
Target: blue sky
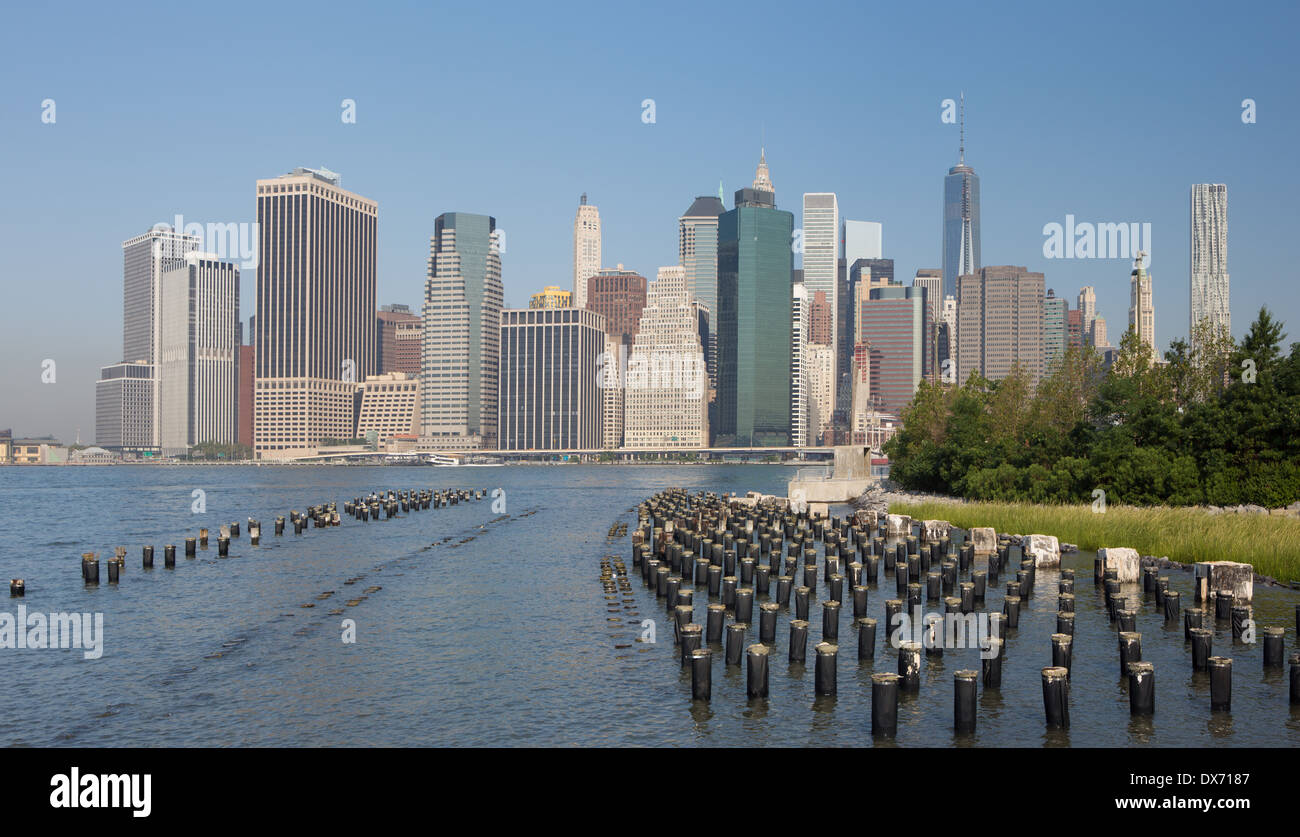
x,y
1105,111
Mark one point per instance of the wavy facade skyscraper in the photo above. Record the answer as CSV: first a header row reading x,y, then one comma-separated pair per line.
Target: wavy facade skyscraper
x,y
1209,261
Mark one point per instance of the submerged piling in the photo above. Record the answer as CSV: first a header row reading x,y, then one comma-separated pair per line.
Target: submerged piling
x,y
1141,688
756,674
701,674
825,675
1056,696
798,640
1220,683
866,638
964,700
1202,642
1273,644
884,704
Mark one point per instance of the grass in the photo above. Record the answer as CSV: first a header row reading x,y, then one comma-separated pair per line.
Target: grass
x,y
1270,544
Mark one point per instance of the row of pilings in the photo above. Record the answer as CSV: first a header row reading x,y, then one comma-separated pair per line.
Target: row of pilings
x,y
746,562
384,505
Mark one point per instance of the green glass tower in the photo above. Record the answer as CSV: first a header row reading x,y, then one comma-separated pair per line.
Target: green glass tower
x,y
755,263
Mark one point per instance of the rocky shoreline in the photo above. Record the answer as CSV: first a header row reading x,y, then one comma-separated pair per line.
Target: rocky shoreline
x,y
876,501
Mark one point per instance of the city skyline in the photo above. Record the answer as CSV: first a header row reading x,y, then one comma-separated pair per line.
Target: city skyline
x,y
641,173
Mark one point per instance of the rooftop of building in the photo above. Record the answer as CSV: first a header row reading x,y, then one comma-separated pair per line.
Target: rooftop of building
x,y
705,206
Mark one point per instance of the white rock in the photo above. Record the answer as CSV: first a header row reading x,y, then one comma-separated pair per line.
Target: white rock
x,y
984,539
1126,562
936,529
1044,549
900,525
1230,576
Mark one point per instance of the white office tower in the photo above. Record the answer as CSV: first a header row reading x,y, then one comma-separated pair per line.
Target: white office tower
x,y
1209,280
586,249
1097,334
1087,310
821,223
144,259
820,363
1141,310
199,345
932,281
666,388
862,240
612,393
800,321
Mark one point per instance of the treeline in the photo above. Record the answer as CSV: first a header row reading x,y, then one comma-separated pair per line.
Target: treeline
x,y
1217,424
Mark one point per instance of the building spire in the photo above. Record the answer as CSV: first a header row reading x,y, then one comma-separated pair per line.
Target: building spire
x,y
762,179
962,149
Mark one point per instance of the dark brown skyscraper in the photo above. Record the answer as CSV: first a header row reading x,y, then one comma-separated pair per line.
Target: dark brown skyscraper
x,y
398,333
619,295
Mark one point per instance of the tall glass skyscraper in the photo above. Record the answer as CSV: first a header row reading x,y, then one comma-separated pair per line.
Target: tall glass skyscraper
x,y
697,253
961,218
462,322
755,287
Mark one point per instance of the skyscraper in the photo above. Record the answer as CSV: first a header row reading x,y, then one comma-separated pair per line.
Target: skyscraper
x,y
1141,308
124,407
462,321
936,335
144,259
800,323
550,397
821,226
755,266
961,218
586,249
398,337
619,296
1087,312
1074,328
1209,263
1055,330
1097,336
819,373
315,328
1000,323
893,327
666,395
198,354
697,252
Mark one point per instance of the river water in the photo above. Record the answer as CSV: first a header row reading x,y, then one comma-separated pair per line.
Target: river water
x,y
490,629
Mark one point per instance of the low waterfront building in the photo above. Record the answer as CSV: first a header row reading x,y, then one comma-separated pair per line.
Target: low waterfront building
x,y
124,411
388,405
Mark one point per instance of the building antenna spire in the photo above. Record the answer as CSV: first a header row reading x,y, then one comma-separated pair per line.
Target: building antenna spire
x,y
962,148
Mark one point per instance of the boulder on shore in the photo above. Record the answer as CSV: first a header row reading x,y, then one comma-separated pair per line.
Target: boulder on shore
x,y
1044,549
936,530
900,525
1124,561
984,539
1226,576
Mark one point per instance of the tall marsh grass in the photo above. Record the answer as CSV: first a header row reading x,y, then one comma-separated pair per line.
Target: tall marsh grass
x,y
1271,544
